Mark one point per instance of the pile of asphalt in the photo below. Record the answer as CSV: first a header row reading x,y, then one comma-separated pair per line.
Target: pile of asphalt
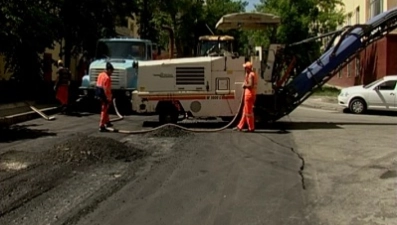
x,y
168,131
26,175
94,149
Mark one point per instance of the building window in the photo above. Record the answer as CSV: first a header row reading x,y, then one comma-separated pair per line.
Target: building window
x,y
358,15
376,7
339,73
357,66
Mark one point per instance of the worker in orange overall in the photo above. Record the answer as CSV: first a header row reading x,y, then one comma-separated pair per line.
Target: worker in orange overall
x,y
62,85
250,86
104,94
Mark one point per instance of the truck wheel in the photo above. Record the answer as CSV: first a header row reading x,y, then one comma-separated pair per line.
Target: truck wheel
x,y
168,116
357,106
227,118
124,106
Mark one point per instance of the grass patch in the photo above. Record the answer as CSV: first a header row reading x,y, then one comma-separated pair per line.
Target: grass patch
x,y
326,92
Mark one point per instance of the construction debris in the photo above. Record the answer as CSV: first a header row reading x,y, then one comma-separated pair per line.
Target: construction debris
x,y
94,149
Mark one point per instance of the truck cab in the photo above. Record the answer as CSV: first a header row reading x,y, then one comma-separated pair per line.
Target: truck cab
x,y
124,54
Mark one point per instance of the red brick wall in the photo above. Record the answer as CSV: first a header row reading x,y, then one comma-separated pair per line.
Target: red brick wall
x,y
391,68
373,64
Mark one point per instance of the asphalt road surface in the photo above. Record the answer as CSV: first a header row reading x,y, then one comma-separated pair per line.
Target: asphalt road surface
x,y
312,167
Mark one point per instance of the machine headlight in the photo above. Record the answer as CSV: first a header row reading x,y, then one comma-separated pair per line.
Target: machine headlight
x,y
127,93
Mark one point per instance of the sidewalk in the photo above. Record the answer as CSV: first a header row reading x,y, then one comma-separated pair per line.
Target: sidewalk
x,y
19,112
321,102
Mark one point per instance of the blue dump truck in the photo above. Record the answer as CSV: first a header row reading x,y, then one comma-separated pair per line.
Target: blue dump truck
x,y
124,54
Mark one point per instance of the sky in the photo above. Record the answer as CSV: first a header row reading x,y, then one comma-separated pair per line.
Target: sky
x,y
251,4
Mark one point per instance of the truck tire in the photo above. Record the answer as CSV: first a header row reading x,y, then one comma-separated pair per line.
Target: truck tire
x,y
124,106
227,118
168,116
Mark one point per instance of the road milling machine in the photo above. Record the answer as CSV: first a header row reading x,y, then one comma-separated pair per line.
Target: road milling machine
x,y
211,86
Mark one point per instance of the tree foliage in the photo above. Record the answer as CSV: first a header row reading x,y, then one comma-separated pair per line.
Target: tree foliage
x,y
29,27
85,21
302,19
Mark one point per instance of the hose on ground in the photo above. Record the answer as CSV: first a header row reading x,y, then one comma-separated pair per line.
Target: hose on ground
x,y
120,117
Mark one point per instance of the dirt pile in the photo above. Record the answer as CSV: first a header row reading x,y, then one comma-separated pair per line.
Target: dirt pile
x,y
168,131
94,149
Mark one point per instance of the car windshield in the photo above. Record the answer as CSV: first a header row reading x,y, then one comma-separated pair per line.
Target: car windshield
x,y
372,83
121,50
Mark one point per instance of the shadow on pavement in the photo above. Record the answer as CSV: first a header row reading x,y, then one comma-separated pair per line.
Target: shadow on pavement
x,y
373,112
280,127
79,114
21,132
317,125
381,113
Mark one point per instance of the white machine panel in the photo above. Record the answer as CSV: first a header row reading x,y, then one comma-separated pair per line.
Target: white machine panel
x,y
271,57
187,74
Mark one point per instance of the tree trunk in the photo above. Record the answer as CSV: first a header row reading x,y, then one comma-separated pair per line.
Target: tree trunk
x,y
67,52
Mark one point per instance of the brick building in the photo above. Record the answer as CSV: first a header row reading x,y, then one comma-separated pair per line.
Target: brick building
x,y
378,59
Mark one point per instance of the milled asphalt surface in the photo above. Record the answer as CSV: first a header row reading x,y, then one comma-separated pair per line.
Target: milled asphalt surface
x,y
314,167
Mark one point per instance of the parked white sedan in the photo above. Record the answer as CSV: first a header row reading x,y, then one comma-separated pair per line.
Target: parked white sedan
x,y
378,95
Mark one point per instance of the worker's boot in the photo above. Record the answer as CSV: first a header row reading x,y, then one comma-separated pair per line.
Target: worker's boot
x,y
63,109
237,129
109,124
102,129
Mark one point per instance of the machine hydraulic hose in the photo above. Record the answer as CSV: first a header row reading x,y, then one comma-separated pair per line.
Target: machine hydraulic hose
x,y
121,117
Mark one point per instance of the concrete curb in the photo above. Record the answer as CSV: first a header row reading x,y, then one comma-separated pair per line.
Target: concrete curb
x,y
325,107
23,117
15,105
333,86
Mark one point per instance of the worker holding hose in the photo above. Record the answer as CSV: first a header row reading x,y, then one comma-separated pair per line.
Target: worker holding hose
x,y
104,94
250,86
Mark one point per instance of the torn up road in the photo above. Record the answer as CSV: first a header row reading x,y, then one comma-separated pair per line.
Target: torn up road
x,y
214,178
168,176
46,185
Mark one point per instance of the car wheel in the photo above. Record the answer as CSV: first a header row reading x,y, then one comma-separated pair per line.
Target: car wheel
x,y
357,106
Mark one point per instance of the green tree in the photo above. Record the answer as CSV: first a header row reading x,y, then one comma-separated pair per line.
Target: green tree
x,y
215,9
189,20
96,19
145,19
301,19
28,27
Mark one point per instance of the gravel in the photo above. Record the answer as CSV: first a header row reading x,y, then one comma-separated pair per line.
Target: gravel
x,y
169,131
94,149
25,175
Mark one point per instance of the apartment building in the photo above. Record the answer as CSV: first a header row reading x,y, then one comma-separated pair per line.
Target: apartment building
x,y
377,60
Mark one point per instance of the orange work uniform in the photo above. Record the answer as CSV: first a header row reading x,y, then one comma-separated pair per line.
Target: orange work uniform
x,y
62,86
104,82
249,101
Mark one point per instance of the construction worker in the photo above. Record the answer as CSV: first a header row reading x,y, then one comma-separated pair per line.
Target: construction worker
x,y
62,84
104,94
250,86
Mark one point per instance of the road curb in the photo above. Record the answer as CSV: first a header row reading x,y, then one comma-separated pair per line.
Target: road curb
x,y
15,105
313,106
23,117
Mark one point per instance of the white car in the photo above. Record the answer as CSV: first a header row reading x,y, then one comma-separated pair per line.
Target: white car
x,y
378,95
